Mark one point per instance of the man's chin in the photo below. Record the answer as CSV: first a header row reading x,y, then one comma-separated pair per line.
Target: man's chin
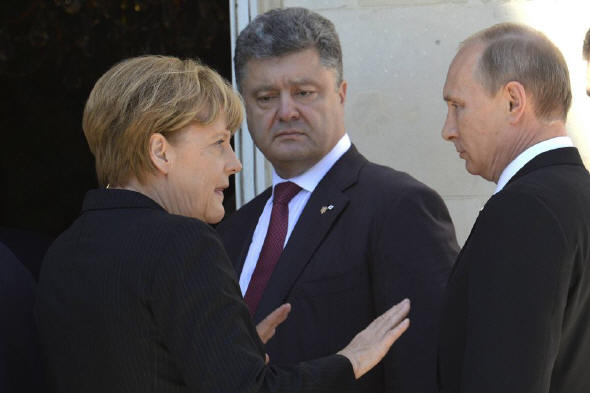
x,y
290,152
469,168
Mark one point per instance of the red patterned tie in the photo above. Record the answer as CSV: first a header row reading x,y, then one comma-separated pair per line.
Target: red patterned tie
x,y
273,243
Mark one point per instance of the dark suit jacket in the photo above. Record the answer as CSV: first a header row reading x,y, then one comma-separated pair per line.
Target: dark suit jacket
x,y
20,370
517,313
28,247
133,299
388,237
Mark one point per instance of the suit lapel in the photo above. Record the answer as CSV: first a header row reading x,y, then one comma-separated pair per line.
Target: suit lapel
x,y
310,230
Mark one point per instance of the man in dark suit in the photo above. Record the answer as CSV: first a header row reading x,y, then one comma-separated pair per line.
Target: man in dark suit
x,y
358,237
517,308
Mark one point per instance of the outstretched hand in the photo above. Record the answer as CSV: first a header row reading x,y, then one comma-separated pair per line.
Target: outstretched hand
x,y
268,326
370,346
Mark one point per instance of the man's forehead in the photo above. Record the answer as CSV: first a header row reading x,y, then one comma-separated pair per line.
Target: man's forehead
x,y
462,69
302,67
466,59
309,55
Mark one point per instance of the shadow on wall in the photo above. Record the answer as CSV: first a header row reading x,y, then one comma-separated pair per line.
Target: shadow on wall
x,y
51,53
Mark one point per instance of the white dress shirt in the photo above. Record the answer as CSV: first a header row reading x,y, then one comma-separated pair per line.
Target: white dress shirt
x,y
523,158
308,181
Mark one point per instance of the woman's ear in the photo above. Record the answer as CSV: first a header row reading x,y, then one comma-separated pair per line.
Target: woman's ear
x,y
160,152
517,100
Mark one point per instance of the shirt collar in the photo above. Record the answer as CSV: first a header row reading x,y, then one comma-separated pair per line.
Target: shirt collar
x,y
527,155
309,179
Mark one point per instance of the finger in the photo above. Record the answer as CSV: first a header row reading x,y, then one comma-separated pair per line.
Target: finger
x,y
400,311
266,359
267,327
361,363
391,337
391,317
396,332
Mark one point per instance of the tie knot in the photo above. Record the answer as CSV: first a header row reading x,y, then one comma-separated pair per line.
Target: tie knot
x,y
285,191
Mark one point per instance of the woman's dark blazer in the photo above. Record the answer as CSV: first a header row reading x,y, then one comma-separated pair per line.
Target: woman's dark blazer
x,y
133,299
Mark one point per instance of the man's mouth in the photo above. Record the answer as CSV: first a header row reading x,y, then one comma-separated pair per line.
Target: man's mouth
x,y
460,151
288,133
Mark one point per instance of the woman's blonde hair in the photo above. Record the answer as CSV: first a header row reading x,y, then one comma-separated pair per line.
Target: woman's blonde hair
x,y
145,95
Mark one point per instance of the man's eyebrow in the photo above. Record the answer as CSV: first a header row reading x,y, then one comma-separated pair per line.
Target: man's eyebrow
x,y
269,87
264,88
447,97
303,81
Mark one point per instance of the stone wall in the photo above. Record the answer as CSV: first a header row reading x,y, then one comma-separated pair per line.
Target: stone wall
x,y
396,55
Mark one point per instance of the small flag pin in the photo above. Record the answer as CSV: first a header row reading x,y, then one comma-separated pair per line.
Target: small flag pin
x,y
326,208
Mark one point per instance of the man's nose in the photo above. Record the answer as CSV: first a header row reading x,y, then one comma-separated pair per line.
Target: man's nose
x,y
449,130
288,109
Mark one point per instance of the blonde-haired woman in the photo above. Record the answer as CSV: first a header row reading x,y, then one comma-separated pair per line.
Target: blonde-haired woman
x,y
138,294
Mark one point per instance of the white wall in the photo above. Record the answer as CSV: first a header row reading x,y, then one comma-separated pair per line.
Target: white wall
x,y
396,55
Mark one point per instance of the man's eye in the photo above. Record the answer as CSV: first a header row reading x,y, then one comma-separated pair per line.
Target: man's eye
x,y
305,93
266,98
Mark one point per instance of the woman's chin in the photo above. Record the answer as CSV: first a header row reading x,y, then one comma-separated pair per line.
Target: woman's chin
x,y
215,217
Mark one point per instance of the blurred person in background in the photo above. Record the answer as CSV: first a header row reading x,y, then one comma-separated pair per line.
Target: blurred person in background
x,y
586,54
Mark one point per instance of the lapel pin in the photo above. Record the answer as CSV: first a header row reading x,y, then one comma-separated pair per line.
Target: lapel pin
x,y
326,208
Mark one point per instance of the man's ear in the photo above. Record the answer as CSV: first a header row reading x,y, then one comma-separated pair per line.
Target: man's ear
x,y
342,91
160,152
517,101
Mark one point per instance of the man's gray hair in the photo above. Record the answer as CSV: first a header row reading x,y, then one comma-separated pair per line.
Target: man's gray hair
x,y
284,31
515,52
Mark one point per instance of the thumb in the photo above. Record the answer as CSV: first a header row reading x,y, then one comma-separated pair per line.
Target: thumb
x,y
267,327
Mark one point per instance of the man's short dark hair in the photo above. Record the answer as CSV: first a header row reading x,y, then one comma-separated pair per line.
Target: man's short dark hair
x,y
284,31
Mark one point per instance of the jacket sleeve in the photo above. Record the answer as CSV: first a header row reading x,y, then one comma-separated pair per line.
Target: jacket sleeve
x,y
413,252
207,327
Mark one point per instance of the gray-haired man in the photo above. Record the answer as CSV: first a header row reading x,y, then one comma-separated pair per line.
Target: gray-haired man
x,y
357,236
517,307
